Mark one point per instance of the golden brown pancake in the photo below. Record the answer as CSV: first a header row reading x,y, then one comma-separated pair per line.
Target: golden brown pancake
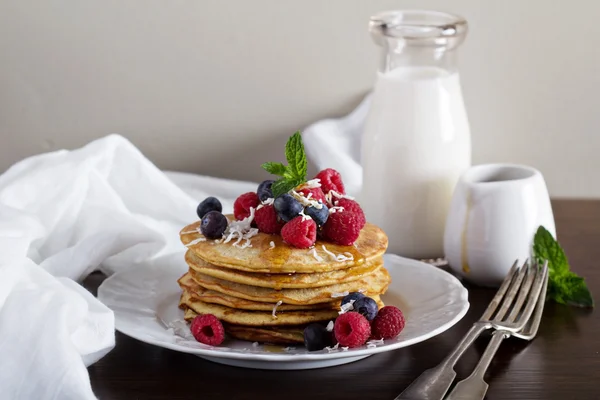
x,y
210,296
373,284
283,258
283,281
266,334
255,318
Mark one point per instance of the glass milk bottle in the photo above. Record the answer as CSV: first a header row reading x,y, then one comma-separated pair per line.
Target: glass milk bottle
x,y
416,141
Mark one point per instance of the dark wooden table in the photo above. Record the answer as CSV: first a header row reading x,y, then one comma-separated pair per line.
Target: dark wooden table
x,y
563,362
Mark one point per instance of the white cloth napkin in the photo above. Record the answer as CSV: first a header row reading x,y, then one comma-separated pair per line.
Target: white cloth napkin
x,y
66,214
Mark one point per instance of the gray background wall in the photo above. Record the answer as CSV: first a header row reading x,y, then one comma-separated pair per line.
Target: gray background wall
x,y
216,86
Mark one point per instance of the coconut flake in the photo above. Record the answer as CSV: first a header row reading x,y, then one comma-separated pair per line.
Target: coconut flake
x,y
345,348
344,308
331,349
376,342
197,230
241,230
196,241
332,193
361,290
272,245
289,348
315,255
312,184
267,202
275,308
335,209
340,294
305,201
330,326
371,346
339,257
304,216
255,344
329,252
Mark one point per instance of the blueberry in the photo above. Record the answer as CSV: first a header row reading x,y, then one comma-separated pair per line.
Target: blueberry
x,y
318,215
264,190
367,307
352,296
316,337
287,207
213,225
208,204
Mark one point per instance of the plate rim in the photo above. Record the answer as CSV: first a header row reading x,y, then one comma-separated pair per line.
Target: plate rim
x,y
291,357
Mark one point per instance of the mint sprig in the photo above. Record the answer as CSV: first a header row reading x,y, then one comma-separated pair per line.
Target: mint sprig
x,y
564,286
294,173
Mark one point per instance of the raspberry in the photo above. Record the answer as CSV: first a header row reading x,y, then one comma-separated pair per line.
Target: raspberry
x,y
267,221
351,329
242,205
353,207
316,194
331,180
300,233
388,323
207,329
342,228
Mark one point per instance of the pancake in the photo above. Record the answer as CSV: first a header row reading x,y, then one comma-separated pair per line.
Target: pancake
x,y
283,281
255,318
210,296
373,284
283,258
271,334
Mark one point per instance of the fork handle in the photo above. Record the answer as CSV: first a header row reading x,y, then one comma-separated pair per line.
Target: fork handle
x,y
474,387
434,383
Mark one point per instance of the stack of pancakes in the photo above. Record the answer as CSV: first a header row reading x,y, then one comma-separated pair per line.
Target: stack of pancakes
x,y
269,291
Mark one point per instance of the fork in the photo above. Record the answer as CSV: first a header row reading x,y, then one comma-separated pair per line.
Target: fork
x,y
435,382
474,387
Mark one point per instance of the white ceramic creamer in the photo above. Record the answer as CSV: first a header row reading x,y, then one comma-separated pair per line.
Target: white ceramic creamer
x,y
496,210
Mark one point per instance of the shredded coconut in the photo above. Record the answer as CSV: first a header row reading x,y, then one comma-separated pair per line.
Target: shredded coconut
x,y
331,349
196,241
188,232
275,308
272,245
255,344
332,193
371,346
340,294
312,184
330,326
375,342
335,209
315,255
289,348
306,201
362,290
340,257
349,306
304,216
345,348
241,230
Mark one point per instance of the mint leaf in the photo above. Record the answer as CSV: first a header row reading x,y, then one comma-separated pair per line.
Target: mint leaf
x,y
294,173
564,286
283,186
571,289
296,157
274,168
546,248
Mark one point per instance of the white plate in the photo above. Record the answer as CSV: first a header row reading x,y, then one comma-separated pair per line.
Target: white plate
x,y
145,300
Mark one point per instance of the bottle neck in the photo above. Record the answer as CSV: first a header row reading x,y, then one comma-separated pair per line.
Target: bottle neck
x,y
395,53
